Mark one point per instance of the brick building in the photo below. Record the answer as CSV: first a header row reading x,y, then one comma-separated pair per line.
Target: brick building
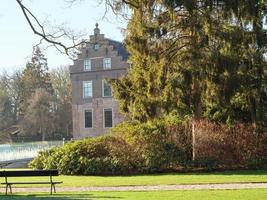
x,y
94,110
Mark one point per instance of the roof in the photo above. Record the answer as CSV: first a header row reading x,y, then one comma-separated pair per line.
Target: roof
x,y
120,48
13,130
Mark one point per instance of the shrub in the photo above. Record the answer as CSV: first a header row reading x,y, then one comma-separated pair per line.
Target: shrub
x,y
208,163
128,148
162,144
257,163
239,145
40,161
93,156
157,146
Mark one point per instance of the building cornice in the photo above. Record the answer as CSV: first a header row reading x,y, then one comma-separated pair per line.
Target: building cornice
x,y
94,71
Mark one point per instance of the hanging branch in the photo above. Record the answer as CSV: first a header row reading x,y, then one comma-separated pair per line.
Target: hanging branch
x,y
50,38
54,38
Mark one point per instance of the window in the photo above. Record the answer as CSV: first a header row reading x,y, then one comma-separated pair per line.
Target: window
x,y
106,89
108,118
87,89
96,46
107,63
88,119
87,65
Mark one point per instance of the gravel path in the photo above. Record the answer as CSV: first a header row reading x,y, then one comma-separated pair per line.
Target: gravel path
x,y
146,188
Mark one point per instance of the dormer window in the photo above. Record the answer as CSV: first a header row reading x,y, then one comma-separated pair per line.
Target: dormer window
x,y
87,65
96,46
107,63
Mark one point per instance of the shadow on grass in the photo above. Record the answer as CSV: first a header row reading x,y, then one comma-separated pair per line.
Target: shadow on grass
x,y
58,197
212,172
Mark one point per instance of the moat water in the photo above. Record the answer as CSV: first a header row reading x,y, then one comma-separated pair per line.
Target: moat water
x,y
16,151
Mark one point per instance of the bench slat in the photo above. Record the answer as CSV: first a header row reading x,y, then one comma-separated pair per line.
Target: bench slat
x,y
12,183
23,173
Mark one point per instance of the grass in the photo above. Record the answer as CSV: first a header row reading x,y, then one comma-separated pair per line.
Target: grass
x,y
156,179
155,195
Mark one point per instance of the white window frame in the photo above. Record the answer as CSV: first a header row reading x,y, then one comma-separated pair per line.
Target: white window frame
x,y
87,65
107,63
84,82
96,46
89,109
103,89
112,117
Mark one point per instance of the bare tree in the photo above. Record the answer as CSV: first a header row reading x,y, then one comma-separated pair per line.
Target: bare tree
x,y
39,117
54,37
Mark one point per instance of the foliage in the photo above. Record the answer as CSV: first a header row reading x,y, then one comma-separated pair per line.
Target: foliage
x,y
36,101
52,115
163,143
62,101
240,145
129,148
39,117
199,58
160,145
204,59
6,114
34,76
103,155
4,138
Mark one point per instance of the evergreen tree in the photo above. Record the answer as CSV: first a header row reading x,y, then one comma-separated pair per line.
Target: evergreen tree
x,y
35,76
202,58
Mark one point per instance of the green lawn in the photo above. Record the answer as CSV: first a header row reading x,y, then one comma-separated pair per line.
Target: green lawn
x,y
158,179
251,194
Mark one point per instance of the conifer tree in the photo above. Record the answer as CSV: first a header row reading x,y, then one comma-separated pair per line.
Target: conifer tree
x,y
202,58
35,76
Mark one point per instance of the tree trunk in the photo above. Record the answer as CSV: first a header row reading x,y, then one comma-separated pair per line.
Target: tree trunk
x,y
193,140
43,134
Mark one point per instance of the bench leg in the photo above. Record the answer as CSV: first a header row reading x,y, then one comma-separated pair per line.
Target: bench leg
x,y
54,185
51,189
10,189
6,188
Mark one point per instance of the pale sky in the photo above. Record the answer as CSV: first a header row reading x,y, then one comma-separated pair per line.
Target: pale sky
x,y
17,39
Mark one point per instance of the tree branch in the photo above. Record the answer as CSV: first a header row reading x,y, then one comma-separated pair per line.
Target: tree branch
x,y
50,38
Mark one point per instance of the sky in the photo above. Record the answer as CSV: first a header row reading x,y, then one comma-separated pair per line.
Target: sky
x,y
17,39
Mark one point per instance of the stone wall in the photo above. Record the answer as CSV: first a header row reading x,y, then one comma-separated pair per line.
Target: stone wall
x,y
97,106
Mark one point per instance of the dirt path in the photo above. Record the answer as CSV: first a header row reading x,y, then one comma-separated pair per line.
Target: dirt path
x,y
233,186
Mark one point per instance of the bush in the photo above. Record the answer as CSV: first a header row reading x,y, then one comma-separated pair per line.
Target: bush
x,y
257,163
161,144
208,163
94,156
239,145
157,146
128,148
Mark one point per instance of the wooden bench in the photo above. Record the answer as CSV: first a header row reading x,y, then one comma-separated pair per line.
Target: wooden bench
x,y
30,173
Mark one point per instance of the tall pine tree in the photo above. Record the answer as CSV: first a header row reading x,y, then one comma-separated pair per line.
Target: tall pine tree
x,y
35,76
202,58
